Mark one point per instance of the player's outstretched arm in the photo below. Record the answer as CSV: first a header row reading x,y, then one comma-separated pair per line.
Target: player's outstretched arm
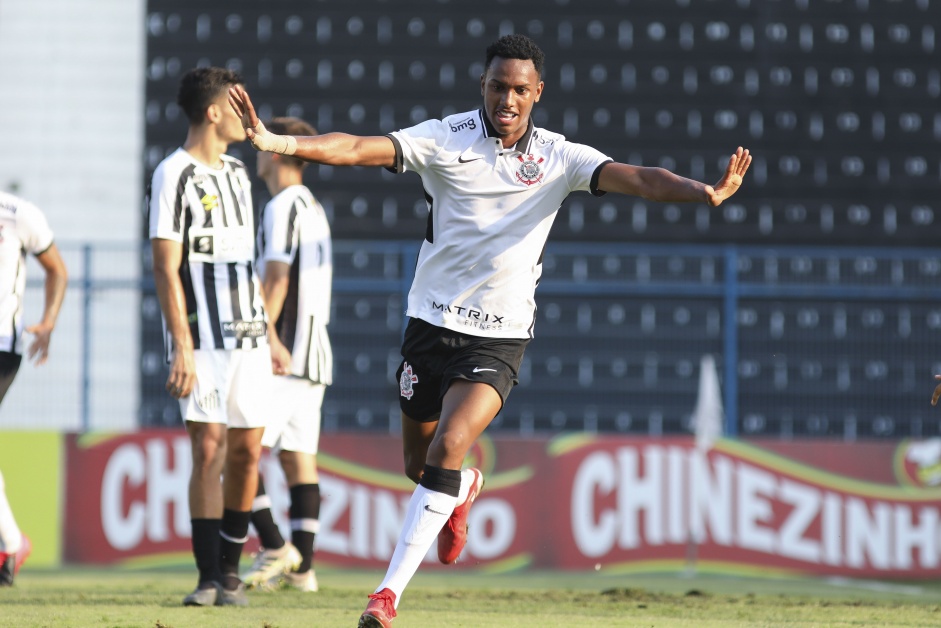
x,y
335,149
658,184
937,392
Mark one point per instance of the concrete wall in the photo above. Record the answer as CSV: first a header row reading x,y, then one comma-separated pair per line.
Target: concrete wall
x,y
72,73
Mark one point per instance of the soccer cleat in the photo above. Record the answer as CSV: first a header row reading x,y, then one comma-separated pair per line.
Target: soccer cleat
x,y
233,597
10,563
270,565
453,536
207,594
380,611
306,582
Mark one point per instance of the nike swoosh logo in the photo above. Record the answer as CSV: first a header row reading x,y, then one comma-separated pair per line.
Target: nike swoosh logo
x,y
428,508
461,160
477,369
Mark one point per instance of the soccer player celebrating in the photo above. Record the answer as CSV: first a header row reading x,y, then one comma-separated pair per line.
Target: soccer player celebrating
x,y
494,183
203,241
296,264
23,229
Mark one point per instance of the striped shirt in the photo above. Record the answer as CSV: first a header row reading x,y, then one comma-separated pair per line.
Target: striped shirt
x,y
294,230
23,229
209,211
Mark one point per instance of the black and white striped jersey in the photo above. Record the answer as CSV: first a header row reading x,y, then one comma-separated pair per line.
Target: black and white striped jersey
x,y
23,229
294,230
490,212
209,211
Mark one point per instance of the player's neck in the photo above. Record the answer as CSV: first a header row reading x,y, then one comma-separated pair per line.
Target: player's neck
x,y
281,179
204,146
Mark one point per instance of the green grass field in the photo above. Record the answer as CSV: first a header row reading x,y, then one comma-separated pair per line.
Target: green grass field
x,y
132,598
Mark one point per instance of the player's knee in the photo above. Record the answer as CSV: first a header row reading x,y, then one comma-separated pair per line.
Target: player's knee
x,y
414,468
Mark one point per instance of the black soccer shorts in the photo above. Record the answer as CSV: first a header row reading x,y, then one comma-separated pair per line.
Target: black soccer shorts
x,y
434,356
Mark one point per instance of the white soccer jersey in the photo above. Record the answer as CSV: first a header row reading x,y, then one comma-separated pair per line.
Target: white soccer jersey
x,y
490,211
294,230
209,211
23,229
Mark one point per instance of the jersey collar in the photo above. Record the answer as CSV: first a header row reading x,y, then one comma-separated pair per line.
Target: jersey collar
x,y
521,146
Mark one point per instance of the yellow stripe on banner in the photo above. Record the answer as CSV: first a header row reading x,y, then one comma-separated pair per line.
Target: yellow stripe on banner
x,y
513,563
812,475
32,463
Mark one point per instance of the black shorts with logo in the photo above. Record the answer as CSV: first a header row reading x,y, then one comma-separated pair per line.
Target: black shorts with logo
x,y
434,356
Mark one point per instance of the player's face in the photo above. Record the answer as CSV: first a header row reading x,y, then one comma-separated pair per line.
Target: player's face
x,y
230,127
510,88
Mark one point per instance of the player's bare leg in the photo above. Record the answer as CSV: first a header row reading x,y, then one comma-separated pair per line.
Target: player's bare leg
x,y
467,410
208,447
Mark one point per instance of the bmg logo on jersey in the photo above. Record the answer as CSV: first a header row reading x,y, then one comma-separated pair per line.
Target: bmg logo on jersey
x,y
469,123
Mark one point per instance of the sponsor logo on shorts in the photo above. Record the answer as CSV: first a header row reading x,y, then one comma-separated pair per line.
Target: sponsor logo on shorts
x,y
407,381
210,401
437,512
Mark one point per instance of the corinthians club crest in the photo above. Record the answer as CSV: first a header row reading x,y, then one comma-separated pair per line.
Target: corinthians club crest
x,y
529,171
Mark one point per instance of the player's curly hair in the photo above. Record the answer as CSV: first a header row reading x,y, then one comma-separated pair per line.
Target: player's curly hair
x,y
516,47
200,86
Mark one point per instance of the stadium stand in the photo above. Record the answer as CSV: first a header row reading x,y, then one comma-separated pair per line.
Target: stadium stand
x,y
834,290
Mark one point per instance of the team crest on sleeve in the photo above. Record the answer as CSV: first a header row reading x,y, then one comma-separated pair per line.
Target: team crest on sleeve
x,y
529,172
407,380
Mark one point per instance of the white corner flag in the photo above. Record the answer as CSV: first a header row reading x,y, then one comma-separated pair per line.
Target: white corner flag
x,y
708,417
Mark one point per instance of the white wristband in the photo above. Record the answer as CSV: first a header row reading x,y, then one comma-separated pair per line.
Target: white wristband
x,y
285,144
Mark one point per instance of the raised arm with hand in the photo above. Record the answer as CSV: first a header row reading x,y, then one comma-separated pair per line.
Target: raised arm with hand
x,y
658,184
335,149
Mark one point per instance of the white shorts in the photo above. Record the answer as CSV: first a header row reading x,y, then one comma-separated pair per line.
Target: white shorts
x,y
232,387
294,415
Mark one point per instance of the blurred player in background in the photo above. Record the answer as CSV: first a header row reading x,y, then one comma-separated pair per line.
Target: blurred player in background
x,y
295,262
203,241
494,183
23,229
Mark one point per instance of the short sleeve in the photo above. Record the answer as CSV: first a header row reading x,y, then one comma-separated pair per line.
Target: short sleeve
x,y
417,146
165,205
279,231
582,167
32,228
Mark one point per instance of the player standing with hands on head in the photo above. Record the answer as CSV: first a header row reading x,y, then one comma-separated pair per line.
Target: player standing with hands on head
x,y
494,184
295,261
23,229
203,242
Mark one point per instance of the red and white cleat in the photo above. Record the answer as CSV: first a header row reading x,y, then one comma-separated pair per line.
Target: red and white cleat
x,y
453,536
380,611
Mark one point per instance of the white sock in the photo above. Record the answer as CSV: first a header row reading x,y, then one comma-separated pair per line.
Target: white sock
x,y
10,537
467,480
427,513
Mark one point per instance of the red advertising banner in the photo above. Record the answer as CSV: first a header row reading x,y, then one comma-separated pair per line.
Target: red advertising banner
x,y
572,502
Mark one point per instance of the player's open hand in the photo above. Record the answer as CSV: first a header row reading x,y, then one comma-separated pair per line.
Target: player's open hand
x,y
937,392
39,347
280,357
732,181
182,378
260,137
